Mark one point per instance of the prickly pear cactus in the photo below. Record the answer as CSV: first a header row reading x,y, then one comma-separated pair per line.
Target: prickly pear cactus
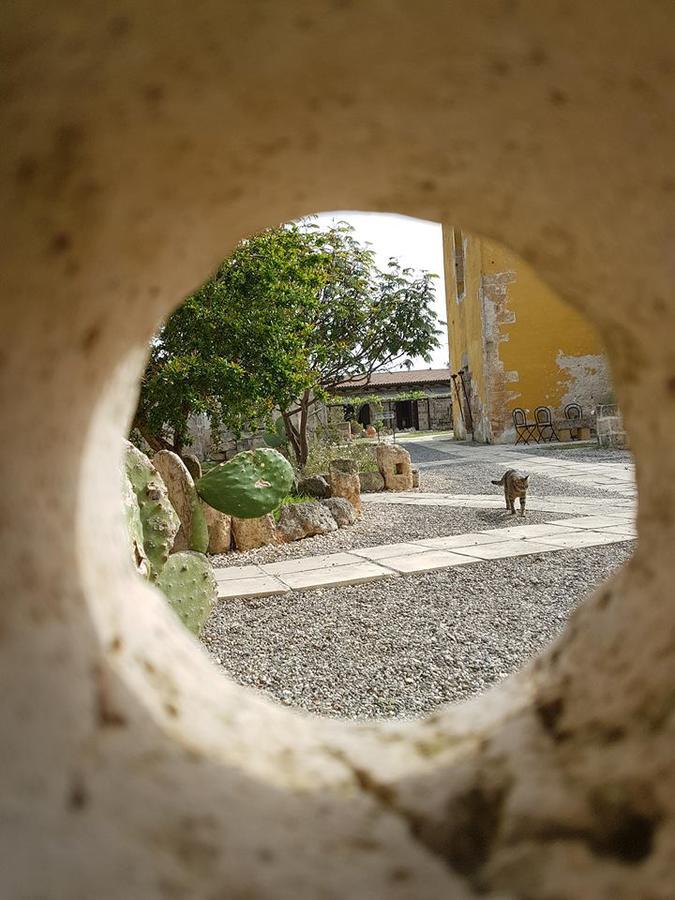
x,y
158,518
188,582
199,537
248,486
132,515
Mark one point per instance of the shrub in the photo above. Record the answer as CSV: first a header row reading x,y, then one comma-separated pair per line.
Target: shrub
x,y
320,456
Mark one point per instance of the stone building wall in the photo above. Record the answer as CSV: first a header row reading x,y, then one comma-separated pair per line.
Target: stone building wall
x,y
514,341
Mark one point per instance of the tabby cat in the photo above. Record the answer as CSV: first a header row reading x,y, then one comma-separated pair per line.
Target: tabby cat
x,y
515,485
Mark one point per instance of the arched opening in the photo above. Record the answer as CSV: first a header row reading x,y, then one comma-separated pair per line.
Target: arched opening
x,y
425,589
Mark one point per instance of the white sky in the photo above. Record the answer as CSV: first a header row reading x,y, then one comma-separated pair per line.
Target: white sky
x,y
416,243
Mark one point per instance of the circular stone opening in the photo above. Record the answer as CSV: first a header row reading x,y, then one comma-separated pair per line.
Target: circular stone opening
x,y
433,591
121,749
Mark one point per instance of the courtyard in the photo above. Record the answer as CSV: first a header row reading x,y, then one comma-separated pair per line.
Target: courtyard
x,y
433,595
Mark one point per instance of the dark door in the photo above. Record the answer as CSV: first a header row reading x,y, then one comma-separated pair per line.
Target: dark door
x,y
404,415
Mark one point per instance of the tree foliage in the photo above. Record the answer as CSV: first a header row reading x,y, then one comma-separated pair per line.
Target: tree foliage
x,y
293,313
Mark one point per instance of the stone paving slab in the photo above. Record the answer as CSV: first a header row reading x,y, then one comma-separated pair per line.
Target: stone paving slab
x,y
461,540
263,586
336,576
511,548
627,529
579,539
234,572
521,532
593,522
385,550
426,561
307,563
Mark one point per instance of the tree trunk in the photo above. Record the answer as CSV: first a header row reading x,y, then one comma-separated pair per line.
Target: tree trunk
x,y
153,441
304,421
293,437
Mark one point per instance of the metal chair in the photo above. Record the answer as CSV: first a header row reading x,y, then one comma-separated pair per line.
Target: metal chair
x,y
573,412
573,416
525,431
544,423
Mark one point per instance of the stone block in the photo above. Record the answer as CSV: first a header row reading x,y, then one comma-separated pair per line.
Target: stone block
x,y
395,467
314,486
341,510
219,525
301,520
371,482
344,481
251,533
181,490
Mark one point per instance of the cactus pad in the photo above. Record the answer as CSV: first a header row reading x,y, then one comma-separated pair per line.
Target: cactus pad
x,y
158,517
188,582
248,486
132,515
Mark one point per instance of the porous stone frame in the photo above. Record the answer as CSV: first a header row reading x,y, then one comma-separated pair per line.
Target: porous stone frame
x,y
141,142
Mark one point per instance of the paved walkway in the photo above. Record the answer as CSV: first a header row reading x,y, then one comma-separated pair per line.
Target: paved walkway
x,y
602,523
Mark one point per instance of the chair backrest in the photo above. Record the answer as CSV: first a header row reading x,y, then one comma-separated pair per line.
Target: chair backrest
x,y
519,418
542,415
573,411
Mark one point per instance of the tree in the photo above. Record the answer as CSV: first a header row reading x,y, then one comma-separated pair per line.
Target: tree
x,y
293,313
234,349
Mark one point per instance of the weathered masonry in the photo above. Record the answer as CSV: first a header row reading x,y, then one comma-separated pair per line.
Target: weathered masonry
x,y
513,342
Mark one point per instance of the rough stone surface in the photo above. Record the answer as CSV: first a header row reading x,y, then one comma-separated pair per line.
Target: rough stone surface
x,y
131,767
344,481
251,533
371,482
394,464
314,486
341,510
181,488
193,465
219,525
301,520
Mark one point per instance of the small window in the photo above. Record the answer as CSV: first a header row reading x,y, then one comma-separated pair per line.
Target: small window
x,y
458,244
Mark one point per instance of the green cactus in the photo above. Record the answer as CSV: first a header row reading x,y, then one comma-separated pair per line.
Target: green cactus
x,y
276,437
250,485
199,538
132,514
188,583
159,521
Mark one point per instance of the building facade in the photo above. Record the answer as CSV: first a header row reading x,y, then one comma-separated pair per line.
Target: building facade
x,y
513,342
430,412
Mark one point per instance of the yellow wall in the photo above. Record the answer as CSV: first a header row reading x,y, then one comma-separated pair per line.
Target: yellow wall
x,y
519,344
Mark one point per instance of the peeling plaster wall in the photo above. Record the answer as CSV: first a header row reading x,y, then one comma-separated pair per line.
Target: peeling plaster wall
x,y
519,343
585,379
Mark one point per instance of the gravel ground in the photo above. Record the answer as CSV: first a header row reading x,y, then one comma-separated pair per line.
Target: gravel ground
x,y
384,524
582,454
401,647
475,478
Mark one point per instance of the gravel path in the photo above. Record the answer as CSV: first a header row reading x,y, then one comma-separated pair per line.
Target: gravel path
x,y
384,524
475,478
401,647
582,454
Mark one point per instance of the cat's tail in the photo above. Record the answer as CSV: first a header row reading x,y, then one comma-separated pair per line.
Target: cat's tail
x,y
501,481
